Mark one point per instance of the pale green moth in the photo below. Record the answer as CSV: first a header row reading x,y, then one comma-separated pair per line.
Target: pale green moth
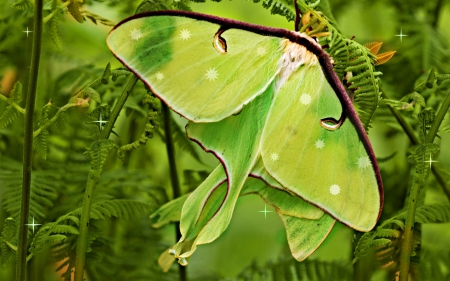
x,y
267,103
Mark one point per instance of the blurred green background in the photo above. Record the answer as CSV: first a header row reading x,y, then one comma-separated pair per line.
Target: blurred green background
x,y
251,236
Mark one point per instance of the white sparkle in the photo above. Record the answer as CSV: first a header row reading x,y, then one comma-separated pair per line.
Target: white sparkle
x,y
33,224
136,34
211,74
305,99
265,211
319,144
335,189
274,157
431,161
363,162
261,51
27,31
159,76
100,122
401,35
185,34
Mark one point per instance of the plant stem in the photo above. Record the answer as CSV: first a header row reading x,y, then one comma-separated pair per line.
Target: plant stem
x,y
407,243
54,118
92,180
118,107
438,120
415,141
21,265
52,14
10,102
419,177
173,174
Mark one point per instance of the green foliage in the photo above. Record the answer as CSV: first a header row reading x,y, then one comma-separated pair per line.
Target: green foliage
x,y
290,269
99,152
7,241
40,142
77,72
74,10
43,189
153,112
127,209
11,113
180,139
53,232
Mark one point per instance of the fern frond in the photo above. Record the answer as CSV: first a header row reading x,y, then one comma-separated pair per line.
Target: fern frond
x,y
278,8
54,33
91,93
40,144
61,122
99,152
16,93
116,73
43,189
53,232
9,115
74,10
97,18
23,5
106,74
392,229
7,238
290,269
120,208
153,112
381,160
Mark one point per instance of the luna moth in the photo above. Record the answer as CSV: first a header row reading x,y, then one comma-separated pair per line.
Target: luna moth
x,y
266,102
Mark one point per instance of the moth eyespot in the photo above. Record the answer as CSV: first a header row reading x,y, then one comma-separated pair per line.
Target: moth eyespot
x,y
331,124
219,42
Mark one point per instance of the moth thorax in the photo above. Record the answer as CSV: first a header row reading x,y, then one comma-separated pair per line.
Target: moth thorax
x,y
295,55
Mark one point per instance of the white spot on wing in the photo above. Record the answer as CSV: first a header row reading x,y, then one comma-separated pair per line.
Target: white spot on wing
x,y
319,144
274,157
335,189
159,76
305,99
136,34
211,74
261,51
363,162
185,34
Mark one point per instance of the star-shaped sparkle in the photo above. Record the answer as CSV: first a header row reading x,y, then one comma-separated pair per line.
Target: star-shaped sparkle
x,y
33,224
274,157
319,144
159,76
265,211
363,162
27,31
401,35
305,99
136,34
185,34
100,122
261,51
431,161
335,189
211,74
